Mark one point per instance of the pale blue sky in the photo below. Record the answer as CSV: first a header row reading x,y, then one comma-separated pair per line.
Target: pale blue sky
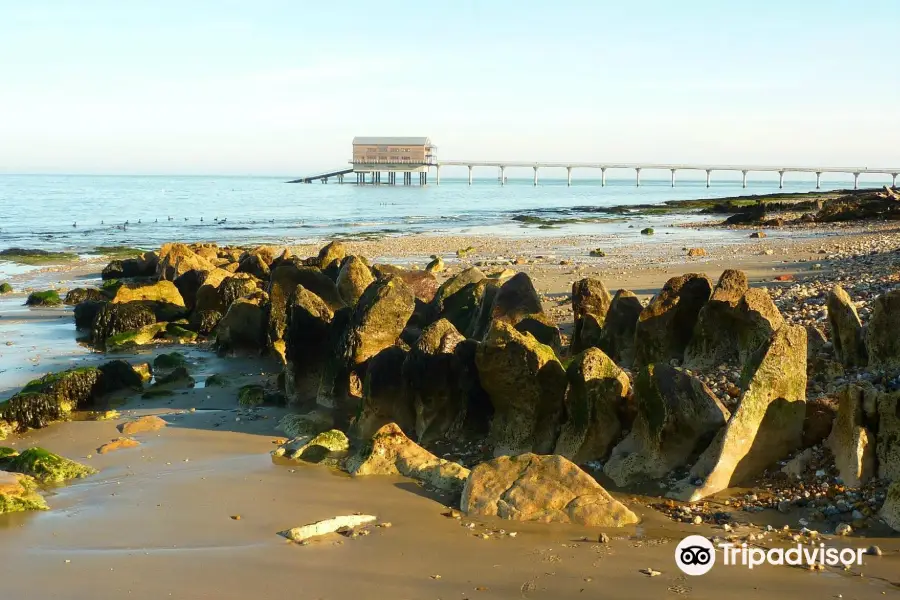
x,y
281,87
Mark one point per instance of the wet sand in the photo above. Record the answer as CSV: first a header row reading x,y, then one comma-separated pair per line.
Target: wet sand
x,y
156,522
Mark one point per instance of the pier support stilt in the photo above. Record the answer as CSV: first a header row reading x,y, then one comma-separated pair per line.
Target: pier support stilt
x,y
637,177
603,177
535,175
780,179
894,179
673,177
437,175
470,174
569,176
708,175
856,181
818,180
744,178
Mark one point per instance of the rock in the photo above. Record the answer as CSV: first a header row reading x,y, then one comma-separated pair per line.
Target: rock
x,y
820,415
469,309
145,424
19,493
32,410
340,387
422,283
758,235
177,259
71,389
79,295
696,253
161,291
516,299
286,279
666,325
117,375
846,329
85,313
113,319
353,279
767,424
378,320
435,266
543,328
735,323
319,528
315,448
306,338
843,529
251,396
220,297
204,322
178,378
890,510
5,288
385,397
451,286
595,397
331,253
647,231
170,360
308,424
888,442
254,264
120,443
47,298
431,373
45,466
616,337
138,337
243,328
390,452
797,466
882,337
178,334
589,297
547,489
677,416
851,443
526,384
597,253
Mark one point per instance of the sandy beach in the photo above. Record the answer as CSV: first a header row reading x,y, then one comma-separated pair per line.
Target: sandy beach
x,y
194,510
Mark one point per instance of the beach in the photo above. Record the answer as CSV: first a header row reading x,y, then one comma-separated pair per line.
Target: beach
x,y
195,509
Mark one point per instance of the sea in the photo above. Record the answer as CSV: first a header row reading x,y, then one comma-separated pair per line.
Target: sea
x,y
78,213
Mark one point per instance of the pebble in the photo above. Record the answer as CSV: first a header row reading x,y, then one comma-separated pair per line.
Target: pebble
x,y
874,551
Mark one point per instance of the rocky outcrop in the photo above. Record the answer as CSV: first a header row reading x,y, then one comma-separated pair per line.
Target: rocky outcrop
x,y
616,336
589,297
526,384
378,320
161,291
431,374
515,300
846,329
883,332
113,319
890,510
546,489
306,346
331,255
851,442
390,452
596,395
666,325
735,322
353,279
243,328
767,424
385,398
888,442
677,416
286,279
452,286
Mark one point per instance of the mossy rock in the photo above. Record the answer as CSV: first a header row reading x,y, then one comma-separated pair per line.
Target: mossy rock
x,y
647,231
45,466
216,380
316,449
170,360
597,252
179,334
110,286
137,337
7,452
46,298
251,396
33,410
79,295
113,319
29,256
463,252
71,389
178,378
5,288
19,493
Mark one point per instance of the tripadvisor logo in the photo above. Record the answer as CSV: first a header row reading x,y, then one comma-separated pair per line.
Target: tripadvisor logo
x,y
696,555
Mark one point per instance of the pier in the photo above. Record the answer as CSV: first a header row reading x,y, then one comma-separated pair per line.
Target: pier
x,y
377,156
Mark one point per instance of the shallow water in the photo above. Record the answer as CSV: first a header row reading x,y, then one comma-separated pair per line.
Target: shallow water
x,y
79,213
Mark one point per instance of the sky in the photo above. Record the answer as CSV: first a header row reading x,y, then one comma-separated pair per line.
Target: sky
x,y
281,86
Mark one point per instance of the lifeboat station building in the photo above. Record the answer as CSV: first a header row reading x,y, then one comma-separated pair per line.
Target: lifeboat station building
x,y
377,156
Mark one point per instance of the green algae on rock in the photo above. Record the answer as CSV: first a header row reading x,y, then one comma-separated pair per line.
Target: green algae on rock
x,y
45,298
18,493
5,288
251,396
45,466
170,360
33,257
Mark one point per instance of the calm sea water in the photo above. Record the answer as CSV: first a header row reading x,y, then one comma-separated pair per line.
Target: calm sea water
x,y
81,212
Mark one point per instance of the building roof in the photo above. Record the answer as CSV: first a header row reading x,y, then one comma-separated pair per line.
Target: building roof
x,y
391,141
